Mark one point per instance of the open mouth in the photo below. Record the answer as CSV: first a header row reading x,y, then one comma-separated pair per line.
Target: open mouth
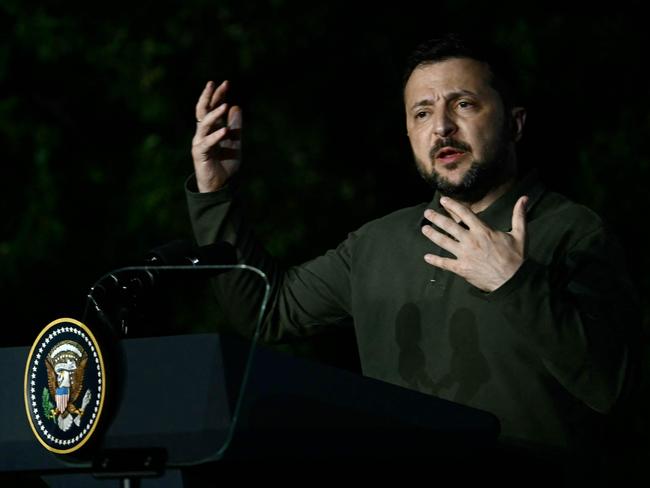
x,y
449,154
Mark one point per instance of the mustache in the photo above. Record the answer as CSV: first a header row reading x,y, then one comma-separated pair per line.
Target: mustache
x,y
449,142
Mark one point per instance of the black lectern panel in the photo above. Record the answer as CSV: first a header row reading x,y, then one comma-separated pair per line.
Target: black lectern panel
x,y
179,396
304,409
174,397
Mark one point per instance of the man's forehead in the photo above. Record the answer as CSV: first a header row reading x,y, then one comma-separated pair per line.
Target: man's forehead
x,y
454,75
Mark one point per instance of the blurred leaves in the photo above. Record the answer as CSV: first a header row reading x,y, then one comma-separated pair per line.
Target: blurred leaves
x,y
97,114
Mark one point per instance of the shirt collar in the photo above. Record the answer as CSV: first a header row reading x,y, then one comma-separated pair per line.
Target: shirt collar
x,y
499,215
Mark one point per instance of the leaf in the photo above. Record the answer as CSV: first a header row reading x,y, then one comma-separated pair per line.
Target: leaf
x,y
47,405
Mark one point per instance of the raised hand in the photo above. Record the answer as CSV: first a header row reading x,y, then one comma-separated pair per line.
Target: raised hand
x,y
216,146
485,257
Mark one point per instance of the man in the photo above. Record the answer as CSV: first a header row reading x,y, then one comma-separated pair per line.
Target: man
x,y
498,294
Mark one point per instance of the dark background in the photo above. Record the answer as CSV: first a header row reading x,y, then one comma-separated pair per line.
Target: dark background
x,y
97,114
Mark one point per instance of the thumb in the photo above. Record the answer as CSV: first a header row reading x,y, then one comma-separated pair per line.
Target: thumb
x,y
234,118
519,218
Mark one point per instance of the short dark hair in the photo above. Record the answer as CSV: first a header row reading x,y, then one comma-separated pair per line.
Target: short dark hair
x,y
453,46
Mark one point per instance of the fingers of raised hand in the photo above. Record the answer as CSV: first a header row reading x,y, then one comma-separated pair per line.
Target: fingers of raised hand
x,y
202,145
203,104
219,94
209,99
211,120
234,128
234,117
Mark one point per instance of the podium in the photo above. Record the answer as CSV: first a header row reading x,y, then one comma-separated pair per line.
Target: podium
x,y
186,406
178,407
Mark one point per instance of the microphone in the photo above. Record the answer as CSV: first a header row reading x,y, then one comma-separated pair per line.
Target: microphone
x,y
131,283
184,252
121,297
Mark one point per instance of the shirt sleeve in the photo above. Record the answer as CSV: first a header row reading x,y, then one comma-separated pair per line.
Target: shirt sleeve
x,y
303,299
580,314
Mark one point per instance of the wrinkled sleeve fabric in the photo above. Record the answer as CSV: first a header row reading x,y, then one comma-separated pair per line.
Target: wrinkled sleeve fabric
x,y
580,313
303,300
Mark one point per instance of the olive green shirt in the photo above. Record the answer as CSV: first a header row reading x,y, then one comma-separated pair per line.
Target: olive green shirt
x,y
544,352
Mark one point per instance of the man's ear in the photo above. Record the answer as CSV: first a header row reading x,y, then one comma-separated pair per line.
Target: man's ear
x,y
518,121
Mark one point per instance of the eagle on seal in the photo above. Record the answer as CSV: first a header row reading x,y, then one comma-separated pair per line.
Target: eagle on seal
x,y
66,364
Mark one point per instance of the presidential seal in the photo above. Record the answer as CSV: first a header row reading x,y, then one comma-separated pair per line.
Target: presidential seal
x,y
65,386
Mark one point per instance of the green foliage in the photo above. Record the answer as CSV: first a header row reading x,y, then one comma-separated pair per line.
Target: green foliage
x,y
48,406
97,115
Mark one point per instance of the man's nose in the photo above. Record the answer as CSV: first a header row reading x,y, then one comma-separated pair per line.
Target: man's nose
x,y
444,125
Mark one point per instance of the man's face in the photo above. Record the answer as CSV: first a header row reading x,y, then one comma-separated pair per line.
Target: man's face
x,y
458,128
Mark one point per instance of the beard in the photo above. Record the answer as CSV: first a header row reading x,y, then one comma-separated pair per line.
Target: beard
x,y
481,177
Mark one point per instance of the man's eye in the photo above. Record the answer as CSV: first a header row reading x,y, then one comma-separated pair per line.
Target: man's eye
x,y
420,115
465,104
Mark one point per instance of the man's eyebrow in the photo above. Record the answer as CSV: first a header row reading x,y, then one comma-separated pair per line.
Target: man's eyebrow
x,y
427,102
